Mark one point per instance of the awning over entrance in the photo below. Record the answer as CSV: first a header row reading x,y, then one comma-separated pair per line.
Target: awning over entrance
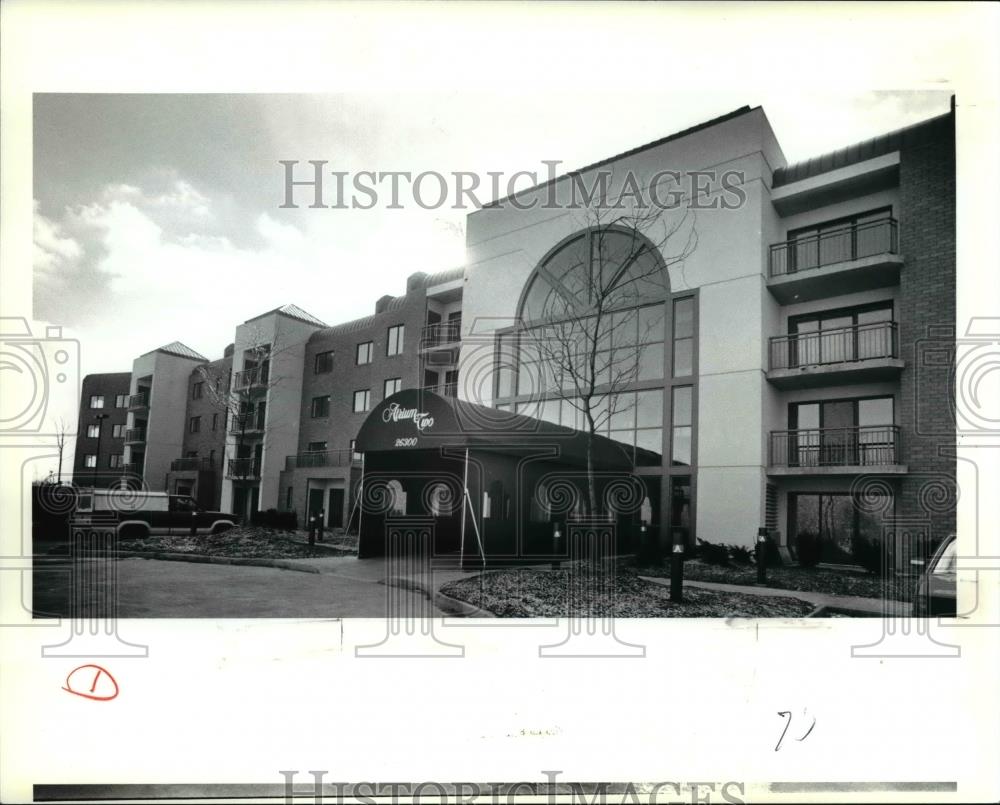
x,y
415,419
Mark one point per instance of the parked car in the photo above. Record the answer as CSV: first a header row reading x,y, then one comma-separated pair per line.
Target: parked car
x,y
137,514
936,593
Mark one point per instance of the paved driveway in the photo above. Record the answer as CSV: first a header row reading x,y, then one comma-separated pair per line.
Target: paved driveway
x,y
150,588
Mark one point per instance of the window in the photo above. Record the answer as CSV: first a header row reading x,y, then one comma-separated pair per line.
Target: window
x,y
364,353
837,521
394,340
834,336
680,509
320,406
215,421
96,400
316,447
118,431
288,498
197,390
194,424
362,399
392,385
90,460
211,458
355,455
93,431
848,238
116,461
121,401
838,433
683,364
324,363
680,414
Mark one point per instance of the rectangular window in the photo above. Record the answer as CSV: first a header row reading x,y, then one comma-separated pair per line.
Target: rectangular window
x,y
316,447
121,401
93,431
324,363
394,340
840,433
288,499
362,399
90,460
118,431
115,461
681,419
391,386
215,421
194,425
97,401
680,510
355,455
683,363
320,407
197,390
364,353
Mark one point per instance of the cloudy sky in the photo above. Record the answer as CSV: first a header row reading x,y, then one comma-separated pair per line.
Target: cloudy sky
x,y
158,218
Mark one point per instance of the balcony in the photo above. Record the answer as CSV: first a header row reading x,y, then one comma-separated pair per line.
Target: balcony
x,y
252,379
138,401
246,424
443,335
243,468
855,257
135,435
442,389
858,354
192,464
133,468
837,451
327,458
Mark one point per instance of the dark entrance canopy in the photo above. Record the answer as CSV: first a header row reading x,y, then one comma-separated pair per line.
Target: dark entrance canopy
x,y
487,484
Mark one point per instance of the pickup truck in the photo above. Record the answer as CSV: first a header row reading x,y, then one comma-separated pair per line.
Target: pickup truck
x,y
137,514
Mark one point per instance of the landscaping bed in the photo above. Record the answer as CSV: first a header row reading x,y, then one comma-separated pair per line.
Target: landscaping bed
x,y
250,542
580,591
794,577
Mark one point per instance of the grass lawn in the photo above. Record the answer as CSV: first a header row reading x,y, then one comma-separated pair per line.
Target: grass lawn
x,y
244,543
526,593
793,577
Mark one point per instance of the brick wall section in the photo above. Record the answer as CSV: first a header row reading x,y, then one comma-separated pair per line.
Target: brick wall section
x,y
927,323
110,385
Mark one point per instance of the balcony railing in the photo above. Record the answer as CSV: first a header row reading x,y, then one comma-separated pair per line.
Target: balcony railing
x,y
850,242
140,400
445,332
243,468
135,435
252,378
867,446
246,423
192,463
132,468
326,458
862,342
444,389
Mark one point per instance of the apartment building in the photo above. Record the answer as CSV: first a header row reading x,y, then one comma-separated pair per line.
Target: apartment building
x,y
777,371
100,433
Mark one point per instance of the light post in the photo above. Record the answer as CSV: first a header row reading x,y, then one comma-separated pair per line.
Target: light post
x,y
97,459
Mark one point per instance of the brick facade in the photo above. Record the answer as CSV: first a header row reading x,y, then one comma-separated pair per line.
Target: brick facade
x,y
109,386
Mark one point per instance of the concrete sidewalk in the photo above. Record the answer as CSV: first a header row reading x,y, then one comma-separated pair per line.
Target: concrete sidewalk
x,y
876,607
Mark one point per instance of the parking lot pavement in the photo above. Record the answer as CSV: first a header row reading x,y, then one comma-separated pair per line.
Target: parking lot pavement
x,y
149,588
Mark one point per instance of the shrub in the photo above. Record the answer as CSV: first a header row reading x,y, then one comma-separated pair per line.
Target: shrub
x,y
808,548
740,554
712,554
868,553
272,518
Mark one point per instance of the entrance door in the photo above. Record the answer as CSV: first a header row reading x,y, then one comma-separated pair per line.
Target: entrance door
x,y
335,511
315,504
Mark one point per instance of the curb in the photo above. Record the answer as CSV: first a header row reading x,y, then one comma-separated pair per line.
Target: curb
x,y
281,564
450,606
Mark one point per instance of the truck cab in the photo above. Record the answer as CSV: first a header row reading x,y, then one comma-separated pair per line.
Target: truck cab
x,y
136,513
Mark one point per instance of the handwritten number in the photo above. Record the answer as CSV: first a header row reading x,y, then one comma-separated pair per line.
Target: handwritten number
x,y
788,715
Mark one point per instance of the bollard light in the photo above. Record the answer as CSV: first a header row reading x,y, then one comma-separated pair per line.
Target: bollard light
x,y
760,552
677,568
556,546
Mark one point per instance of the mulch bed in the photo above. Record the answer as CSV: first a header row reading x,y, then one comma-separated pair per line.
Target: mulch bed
x,y
525,593
793,577
244,543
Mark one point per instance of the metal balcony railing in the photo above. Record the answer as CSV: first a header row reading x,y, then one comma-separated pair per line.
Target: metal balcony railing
x,y
247,423
243,468
867,446
445,332
140,400
850,242
132,468
444,389
135,435
325,458
862,342
192,463
254,377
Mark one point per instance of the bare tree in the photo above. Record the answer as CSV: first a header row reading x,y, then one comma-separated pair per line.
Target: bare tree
x,y
593,299
60,428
